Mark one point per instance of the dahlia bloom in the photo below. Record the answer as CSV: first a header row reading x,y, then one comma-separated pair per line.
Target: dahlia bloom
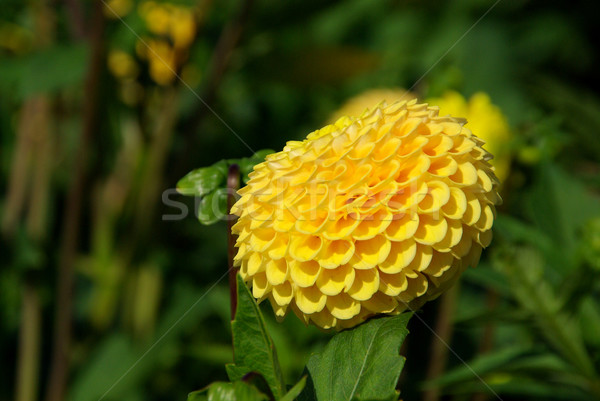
x,y
485,119
373,214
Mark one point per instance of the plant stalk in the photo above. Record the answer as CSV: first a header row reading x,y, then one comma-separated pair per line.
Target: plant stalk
x,y
487,340
59,367
440,342
29,345
233,183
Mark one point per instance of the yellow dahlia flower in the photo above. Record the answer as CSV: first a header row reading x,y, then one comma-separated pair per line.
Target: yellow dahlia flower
x,y
372,214
368,100
486,120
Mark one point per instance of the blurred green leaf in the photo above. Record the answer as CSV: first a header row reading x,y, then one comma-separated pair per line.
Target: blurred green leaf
x,y
46,70
515,230
203,181
519,386
360,364
223,391
560,205
590,321
535,294
479,366
511,371
487,277
254,350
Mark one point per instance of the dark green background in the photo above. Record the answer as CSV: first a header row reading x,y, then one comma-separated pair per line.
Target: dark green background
x,y
295,63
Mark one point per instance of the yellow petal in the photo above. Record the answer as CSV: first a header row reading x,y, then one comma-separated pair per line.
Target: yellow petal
x,y
392,284
473,212
260,285
422,259
324,319
486,219
432,229
342,227
255,264
484,238
310,300
456,206
443,166
438,145
366,283
313,222
279,247
333,281
342,306
403,228
401,255
372,225
336,253
386,150
453,236
279,310
305,247
304,274
466,174
283,294
261,239
369,253
380,303
276,271
440,263
464,246
437,196
416,287
407,197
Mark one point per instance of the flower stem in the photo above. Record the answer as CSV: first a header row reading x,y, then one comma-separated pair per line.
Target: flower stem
x,y
61,350
29,345
233,183
443,337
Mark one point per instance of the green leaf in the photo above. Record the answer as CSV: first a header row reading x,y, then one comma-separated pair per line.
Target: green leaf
x,y
515,230
212,207
481,366
295,391
224,391
524,269
590,321
560,205
521,387
360,364
203,181
253,348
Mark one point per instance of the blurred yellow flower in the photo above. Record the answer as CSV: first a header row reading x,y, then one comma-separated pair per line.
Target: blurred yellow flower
x,y
157,17
162,60
122,65
183,27
486,120
176,27
369,99
370,215
117,8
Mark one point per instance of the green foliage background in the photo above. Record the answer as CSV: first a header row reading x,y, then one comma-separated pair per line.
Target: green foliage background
x,y
149,312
